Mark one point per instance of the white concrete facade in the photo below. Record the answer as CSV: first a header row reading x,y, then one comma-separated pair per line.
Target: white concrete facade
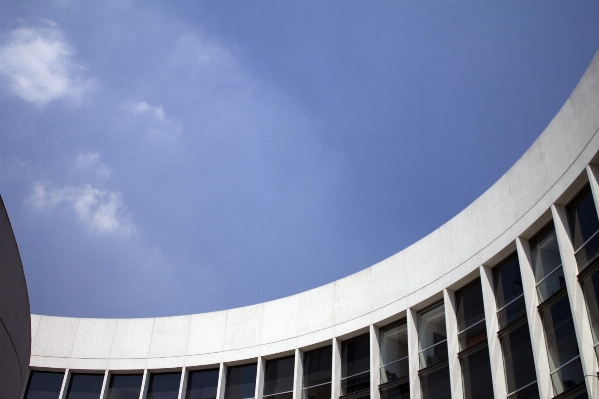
x,y
498,223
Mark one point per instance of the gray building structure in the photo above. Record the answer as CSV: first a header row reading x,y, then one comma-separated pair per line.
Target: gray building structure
x,y
502,301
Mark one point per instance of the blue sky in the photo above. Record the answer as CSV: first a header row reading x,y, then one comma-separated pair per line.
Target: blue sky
x,y
164,158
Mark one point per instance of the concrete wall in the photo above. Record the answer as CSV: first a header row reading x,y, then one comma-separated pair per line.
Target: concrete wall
x,y
552,169
15,331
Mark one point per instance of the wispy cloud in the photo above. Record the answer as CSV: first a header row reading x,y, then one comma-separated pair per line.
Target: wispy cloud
x,y
91,161
159,124
38,65
102,211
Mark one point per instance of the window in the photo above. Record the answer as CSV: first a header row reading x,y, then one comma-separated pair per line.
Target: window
x,y
241,382
317,373
85,386
278,378
472,338
546,263
509,295
432,336
355,365
164,386
124,386
202,384
584,225
44,385
394,351
436,385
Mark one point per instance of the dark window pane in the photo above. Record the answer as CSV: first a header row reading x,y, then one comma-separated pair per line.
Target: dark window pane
x,y
317,392
436,385
396,392
164,386
590,286
551,284
44,385
124,386
433,355
287,395
317,366
394,342
473,335
518,359
202,384
395,370
567,377
544,252
278,375
530,392
432,336
511,312
355,355
476,372
562,345
582,217
469,305
507,281
356,383
241,382
85,386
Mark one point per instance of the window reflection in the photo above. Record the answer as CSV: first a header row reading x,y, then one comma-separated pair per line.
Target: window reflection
x,y
164,386
432,336
202,384
44,385
241,382
317,373
124,386
85,386
394,351
278,377
584,224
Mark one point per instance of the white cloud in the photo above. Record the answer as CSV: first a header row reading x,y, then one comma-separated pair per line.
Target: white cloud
x,y
159,124
91,161
103,211
38,65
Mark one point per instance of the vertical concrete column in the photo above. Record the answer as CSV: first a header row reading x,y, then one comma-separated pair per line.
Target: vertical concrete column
x,y
578,307
593,175
222,380
375,362
451,326
65,384
183,383
259,378
495,355
535,325
298,374
104,391
336,369
145,383
414,363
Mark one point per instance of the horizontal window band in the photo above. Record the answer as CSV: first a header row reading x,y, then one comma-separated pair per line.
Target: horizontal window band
x,y
588,271
474,348
549,275
522,388
572,392
509,303
357,394
317,385
519,322
433,345
584,244
394,383
355,375
395,361
471,326
553,299
431,369
270,395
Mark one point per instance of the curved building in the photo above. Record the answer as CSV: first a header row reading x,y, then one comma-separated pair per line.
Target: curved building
x,y
502,301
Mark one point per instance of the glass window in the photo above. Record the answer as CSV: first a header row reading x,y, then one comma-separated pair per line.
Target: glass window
x,y
85,386
202,384
396,392
590,287
470,314
124,386
436,385
546,263
278,377
518,360
241,382
562,346
394,351
528,392
355,364
476,373
432,336
44,385
164,386
317,373
583,221
509,295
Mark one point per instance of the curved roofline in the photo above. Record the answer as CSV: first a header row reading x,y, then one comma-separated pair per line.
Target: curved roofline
x,y
517,204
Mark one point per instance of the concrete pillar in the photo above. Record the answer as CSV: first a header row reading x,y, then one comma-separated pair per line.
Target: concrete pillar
x,y
104,391
259,378
375,362
222,380
578,307
495,355
535,325
65,384
145,383
183,384
336,370
414,364
593,175
451,327
298,374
